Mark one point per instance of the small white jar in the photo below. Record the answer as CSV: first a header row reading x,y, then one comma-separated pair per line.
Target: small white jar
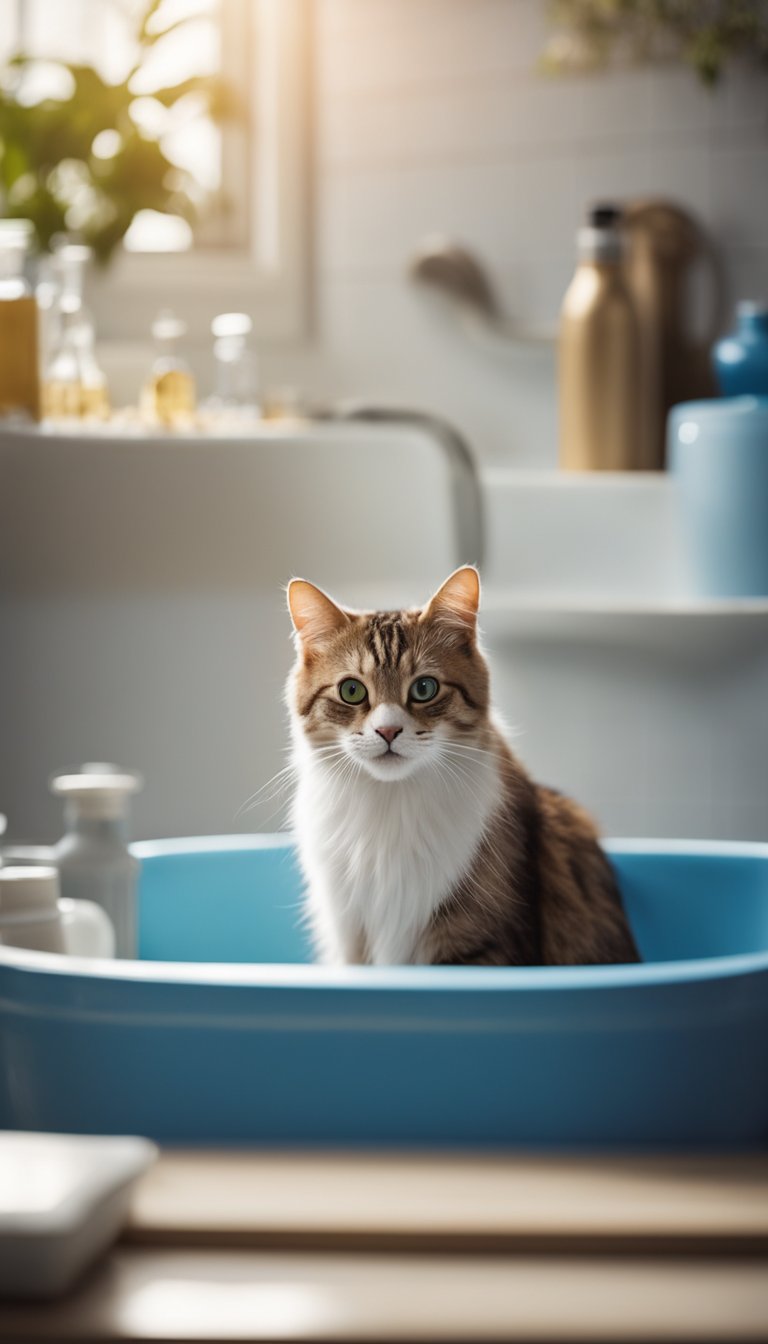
x,y
33,916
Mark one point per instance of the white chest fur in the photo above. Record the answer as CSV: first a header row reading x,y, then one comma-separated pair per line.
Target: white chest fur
x,y
380,857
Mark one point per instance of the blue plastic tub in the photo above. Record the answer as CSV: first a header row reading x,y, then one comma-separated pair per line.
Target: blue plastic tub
x,y
195,1045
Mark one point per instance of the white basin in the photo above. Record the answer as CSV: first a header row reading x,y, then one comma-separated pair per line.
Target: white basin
x,y
143,620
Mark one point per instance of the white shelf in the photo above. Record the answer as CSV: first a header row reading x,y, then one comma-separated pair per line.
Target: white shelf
x,y
717,627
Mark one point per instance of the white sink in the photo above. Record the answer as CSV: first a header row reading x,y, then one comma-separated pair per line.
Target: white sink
x,y
144,621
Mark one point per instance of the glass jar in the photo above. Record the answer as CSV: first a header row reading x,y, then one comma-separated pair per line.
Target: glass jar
x,y
236,386
169,397
74,385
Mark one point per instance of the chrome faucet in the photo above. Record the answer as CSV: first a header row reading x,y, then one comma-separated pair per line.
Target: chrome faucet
x,y
465,482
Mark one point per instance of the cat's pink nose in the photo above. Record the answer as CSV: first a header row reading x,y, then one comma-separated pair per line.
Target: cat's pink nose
x,y
389,734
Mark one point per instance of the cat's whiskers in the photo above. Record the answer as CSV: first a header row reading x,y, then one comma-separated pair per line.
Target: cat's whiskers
x,y
461,767
280,781
495,865
467,748
340,770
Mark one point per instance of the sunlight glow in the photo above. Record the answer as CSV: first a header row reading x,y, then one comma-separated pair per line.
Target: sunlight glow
x,y
155,232
107,144
45,79
226,1308
101,33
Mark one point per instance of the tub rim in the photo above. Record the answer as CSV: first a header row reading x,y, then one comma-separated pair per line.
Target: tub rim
x,y
483,979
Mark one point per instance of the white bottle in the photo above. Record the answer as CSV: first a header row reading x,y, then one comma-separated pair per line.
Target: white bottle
x,y
93,858
33,916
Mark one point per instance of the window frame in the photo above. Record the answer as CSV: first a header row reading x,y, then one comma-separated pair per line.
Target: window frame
x,y
267,277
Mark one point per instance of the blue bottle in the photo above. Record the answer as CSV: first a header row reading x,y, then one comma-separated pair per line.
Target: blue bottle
x,y
741,358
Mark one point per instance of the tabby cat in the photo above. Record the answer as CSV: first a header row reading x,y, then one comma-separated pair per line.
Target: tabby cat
x,y
421,836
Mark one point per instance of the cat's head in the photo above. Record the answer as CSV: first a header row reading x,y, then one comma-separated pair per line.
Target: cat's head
x,y
392,690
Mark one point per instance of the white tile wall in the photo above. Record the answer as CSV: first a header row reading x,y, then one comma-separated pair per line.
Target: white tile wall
x,y
654,745
429,114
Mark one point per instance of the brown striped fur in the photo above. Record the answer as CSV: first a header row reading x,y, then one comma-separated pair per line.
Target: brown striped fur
x,y
537,888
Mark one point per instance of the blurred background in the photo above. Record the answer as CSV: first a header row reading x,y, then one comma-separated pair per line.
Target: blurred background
x,y
416,359
359,291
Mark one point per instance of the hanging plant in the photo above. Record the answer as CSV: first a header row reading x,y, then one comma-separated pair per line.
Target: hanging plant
x,y
705,34
80,162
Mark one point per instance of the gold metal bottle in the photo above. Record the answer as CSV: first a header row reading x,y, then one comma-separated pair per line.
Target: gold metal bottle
x,y
599,389
666,246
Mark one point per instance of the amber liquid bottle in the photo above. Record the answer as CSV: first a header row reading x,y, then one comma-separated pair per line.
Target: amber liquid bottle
x,y
169,397
599,357
19,373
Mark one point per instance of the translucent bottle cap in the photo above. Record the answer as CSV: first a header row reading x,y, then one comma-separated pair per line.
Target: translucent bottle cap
x,y
74,254
751,308
38,856
22,888
17,231
71,302
168,327
99,792
600,243
231,324
604,215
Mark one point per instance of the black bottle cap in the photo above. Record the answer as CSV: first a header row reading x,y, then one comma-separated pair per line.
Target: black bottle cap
x,y
604,215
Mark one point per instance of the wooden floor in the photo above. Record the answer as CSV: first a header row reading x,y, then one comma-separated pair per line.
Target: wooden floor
x,y
241,1246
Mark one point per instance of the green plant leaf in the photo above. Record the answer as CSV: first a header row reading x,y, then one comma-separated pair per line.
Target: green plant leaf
x,y
590,33
35,140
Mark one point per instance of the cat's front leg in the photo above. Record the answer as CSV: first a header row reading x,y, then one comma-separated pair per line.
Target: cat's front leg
x,y
338,941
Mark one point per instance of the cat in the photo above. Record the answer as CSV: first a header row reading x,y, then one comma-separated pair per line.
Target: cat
x,y
421,837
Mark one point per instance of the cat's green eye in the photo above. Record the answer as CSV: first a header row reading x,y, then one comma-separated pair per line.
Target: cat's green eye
x,y
352,691
423,689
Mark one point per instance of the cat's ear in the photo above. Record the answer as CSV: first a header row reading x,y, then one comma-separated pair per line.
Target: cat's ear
x,y
315,617
457,600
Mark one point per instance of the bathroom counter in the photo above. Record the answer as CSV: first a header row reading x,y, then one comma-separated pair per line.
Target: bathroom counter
x,y
235,1246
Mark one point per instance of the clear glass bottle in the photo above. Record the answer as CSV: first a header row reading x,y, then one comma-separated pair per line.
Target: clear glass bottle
x,y
61,382
19,370
74,385
235,400
47,295
94,394
93,858
169,397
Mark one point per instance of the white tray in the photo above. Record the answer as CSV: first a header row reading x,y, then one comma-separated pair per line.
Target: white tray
x,y
63,1200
